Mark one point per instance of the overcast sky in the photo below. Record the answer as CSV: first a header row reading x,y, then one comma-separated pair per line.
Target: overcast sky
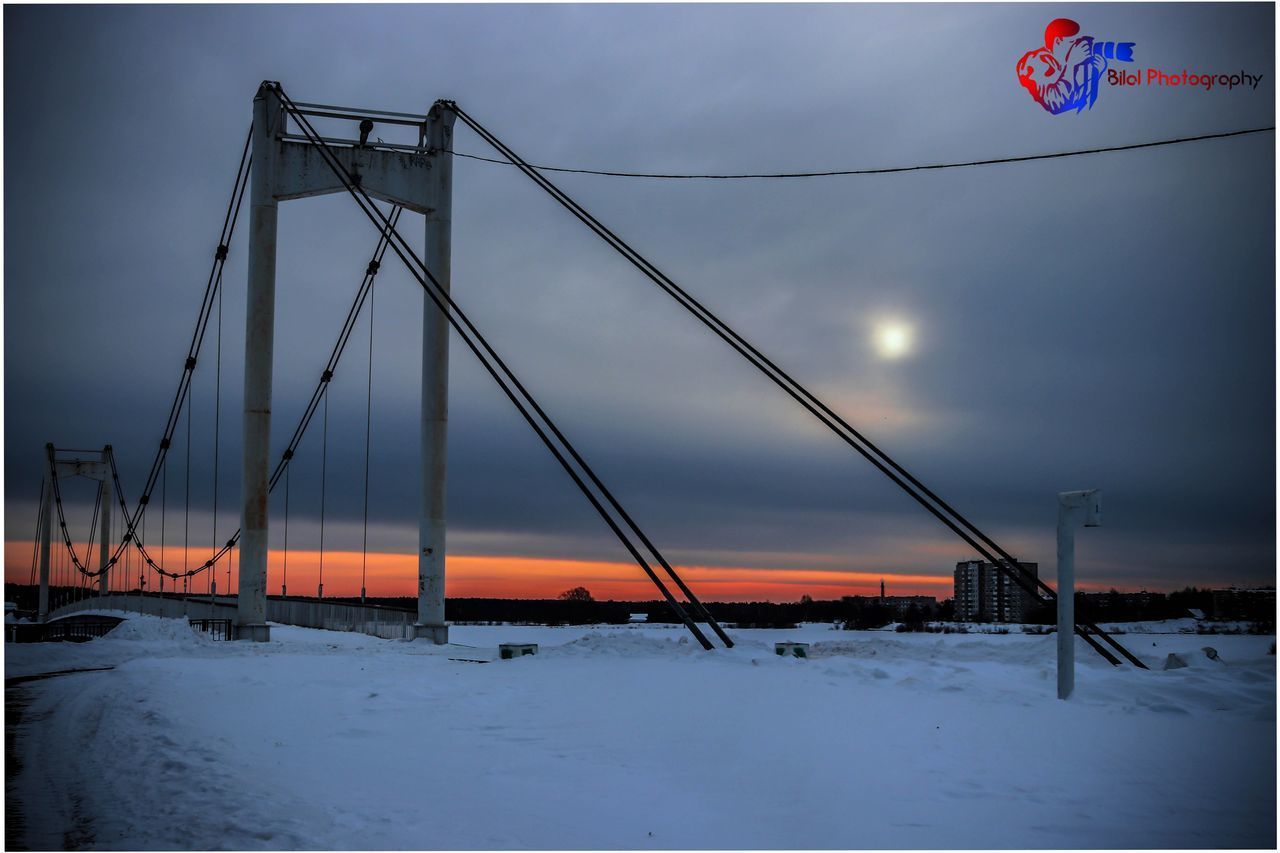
x,y
1094,322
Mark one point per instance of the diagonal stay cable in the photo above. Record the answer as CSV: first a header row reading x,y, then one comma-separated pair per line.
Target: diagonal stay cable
x,y
722,330
789,385
463,326
1006,563
802,395
699,608
493,364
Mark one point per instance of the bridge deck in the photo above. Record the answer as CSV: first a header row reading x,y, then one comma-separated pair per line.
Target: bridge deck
x,y
386,622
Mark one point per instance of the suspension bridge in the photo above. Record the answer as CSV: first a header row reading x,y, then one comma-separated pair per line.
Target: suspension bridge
x,y
284,157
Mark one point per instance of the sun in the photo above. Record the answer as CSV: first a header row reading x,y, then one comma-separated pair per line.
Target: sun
x,y
892,340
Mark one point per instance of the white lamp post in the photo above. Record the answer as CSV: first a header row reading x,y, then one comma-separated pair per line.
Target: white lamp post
x,y
1073,507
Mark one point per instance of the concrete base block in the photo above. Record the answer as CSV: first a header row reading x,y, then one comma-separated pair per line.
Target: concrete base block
x,y
507,651
254,633
438,634
796,650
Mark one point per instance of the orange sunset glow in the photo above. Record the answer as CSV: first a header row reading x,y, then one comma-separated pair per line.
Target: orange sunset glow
x,y
510,576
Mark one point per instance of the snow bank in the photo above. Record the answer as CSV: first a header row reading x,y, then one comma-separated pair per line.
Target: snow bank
x,y
628,645
637,739
137,636
143,628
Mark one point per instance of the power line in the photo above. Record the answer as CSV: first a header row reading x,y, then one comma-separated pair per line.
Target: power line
x,y
887,170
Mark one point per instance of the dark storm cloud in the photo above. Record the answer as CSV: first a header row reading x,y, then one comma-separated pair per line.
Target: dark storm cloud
x,y
1104,321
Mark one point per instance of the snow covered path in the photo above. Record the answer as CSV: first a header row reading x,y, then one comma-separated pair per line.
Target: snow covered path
x,y
633,738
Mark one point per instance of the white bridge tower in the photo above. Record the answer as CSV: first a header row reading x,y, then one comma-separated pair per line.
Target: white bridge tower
x,y
419,178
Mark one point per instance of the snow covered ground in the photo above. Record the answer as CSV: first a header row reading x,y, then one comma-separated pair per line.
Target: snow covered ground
x,y
633,737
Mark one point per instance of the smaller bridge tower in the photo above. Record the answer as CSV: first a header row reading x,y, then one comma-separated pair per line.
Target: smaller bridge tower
x,y
94,465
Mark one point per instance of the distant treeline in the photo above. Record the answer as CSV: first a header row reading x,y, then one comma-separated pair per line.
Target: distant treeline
x,y
1117,606
577,610
555,611
860,612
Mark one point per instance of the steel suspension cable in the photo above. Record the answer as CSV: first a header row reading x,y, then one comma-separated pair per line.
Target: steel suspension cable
x,y
129,565
476,342
284,580
68,545
164,503
282,467
93,526
217,436
118,532
77,590
186,502
810,402
212,286
201,326
124,583
335,355
35,543
142,576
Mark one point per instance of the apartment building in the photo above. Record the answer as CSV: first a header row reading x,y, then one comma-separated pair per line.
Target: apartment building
x,y
984,594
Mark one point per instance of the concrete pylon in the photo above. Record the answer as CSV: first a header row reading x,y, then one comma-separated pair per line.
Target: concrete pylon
x,y
435,388
1073,507
46,510
104,531
290,168
259,349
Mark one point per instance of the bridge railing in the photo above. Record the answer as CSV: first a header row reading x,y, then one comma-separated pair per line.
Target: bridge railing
x,y
220,607
384,622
